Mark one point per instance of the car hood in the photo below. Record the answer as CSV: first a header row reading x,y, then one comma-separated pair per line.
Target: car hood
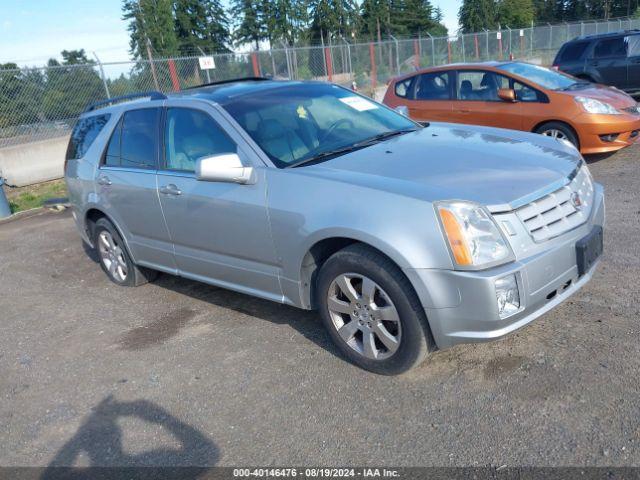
x,y
498,168
610,95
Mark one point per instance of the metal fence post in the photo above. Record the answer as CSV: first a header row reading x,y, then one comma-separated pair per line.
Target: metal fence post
x,y
464,56
351,74
433,50
486,37
550,36
531,40
286,54
395,40
104,79
510,54
582,29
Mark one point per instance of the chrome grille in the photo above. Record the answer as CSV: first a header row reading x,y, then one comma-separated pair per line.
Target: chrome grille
x,y
559,211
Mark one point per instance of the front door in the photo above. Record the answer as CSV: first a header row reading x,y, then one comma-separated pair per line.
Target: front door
x,y
220,230
477,101
126,186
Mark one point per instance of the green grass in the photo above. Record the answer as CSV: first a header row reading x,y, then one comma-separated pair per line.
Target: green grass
x,y
34,196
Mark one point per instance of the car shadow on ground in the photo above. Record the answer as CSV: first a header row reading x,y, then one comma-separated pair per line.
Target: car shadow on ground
x,y
598,157
307,323
99,443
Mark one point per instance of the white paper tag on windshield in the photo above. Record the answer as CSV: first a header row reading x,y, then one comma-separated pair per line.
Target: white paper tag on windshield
x,y
359,103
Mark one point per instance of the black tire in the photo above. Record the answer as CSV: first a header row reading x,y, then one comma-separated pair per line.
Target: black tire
x,y
562,127
415,341
135,275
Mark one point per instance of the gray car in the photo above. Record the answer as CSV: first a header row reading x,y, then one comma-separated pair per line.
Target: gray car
x,y
405,237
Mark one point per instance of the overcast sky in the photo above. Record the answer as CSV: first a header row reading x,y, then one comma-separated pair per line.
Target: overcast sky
x,y
32,31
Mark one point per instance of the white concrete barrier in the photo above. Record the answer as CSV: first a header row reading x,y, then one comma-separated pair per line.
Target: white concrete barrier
x,y
33,162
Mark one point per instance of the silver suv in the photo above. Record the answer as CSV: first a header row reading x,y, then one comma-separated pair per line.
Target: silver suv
x,y
405,237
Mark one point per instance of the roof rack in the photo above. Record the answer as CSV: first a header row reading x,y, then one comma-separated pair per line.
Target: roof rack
x,y
231,80
607,34
153,95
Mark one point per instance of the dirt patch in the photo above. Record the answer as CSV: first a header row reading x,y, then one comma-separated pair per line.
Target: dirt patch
x,y
503,365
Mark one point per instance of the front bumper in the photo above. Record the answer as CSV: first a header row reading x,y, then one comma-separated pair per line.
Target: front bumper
x,y
461,306
593,128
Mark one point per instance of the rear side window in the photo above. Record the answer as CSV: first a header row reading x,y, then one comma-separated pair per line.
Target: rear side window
x,y
84,134
610,47
573,51
134,142
433,86
403,88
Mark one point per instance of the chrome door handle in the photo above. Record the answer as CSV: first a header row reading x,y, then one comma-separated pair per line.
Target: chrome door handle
x,y
170,189
104,180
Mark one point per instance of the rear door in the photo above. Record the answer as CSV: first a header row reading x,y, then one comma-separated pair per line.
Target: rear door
x,y
126,186
633,69
609,61
428,96
477,101
220,230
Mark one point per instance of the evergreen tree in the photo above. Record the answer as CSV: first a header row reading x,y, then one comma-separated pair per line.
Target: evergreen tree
x,y
21,93
475,15
251,26
285,20
419,16
150,21
201,24
68,90
380,16
515,13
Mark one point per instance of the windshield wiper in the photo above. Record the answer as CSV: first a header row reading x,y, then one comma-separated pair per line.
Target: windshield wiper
x,y
350,148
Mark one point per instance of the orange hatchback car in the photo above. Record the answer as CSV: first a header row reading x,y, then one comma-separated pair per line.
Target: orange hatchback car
x,y
520,96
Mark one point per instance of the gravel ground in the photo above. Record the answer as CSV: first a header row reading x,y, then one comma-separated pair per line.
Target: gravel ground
x,y
177,372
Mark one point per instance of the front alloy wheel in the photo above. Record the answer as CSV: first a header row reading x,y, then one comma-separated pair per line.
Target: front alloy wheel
x,y
371,311
364,316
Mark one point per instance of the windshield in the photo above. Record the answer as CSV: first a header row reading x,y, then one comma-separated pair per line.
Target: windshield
x,y
544,77
298,123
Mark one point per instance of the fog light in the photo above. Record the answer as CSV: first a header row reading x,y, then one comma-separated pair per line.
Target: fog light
x,y
507,296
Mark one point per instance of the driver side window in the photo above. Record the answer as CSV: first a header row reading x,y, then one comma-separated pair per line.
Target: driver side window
x,y
192,134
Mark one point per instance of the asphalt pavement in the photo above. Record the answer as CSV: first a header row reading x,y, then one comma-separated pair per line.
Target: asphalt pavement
x,y
180,373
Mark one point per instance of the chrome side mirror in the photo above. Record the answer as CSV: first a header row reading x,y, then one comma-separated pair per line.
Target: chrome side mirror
x,y
402,110
226,167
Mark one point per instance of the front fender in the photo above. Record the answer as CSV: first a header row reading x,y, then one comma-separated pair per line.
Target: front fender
x,y
305,210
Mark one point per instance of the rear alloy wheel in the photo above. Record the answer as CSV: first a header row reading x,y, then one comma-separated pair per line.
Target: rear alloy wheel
x,y
371,311
115,259
112,257
559,131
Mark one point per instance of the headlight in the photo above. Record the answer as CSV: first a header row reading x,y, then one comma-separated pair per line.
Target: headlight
x,y
591,105
474,238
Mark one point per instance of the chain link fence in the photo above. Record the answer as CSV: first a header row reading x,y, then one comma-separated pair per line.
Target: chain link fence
x,y
41,103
